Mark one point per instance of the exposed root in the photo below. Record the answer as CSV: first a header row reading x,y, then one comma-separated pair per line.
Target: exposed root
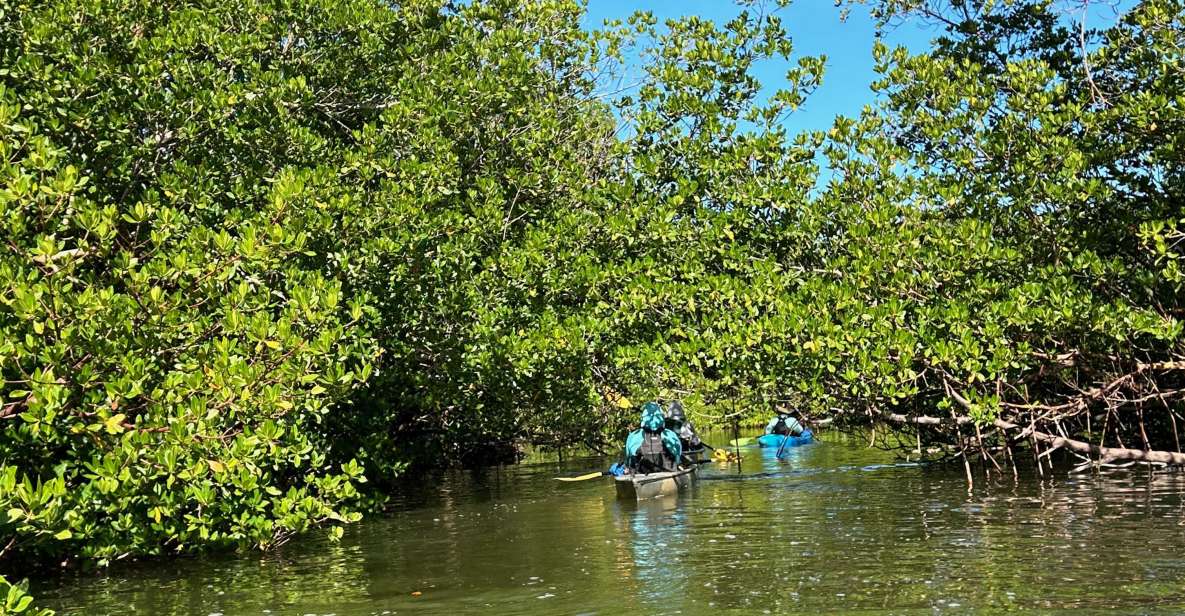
x,y
1054,442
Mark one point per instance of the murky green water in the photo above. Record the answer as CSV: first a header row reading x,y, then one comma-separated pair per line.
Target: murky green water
x,y
835,527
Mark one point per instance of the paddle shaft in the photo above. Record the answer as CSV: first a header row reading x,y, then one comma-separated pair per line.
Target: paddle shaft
x,y
786,437
598,474
585,477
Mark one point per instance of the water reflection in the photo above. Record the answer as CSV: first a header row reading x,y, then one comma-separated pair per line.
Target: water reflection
x,y
831,527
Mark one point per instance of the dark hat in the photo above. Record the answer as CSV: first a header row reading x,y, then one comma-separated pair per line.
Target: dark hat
x,y
675,411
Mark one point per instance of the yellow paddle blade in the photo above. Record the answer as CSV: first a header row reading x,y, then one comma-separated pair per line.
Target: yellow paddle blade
x,y
722,455
582,477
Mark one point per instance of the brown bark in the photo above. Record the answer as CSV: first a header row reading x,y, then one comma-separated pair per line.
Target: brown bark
x,y
1103,454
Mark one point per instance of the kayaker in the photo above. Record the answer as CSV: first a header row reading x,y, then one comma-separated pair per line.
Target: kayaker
x,y
677,422
652,448
785,424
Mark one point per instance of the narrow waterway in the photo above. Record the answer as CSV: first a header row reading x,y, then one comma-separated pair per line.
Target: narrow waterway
x,y
834,526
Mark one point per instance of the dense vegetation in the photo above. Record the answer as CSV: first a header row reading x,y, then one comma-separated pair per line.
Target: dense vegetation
x,y
256,254
1013,226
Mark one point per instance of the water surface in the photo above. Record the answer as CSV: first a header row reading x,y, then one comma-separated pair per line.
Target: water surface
x,y
834,527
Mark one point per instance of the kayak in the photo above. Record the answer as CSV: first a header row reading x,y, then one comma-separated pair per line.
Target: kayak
x,y
775,440
654,485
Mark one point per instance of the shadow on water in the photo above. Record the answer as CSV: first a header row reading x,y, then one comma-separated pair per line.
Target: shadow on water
x,y
833,526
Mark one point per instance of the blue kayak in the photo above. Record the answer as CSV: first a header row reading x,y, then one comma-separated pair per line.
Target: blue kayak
x,y
775,440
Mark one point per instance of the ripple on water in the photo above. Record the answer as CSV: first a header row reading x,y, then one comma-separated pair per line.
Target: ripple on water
x,y
834,527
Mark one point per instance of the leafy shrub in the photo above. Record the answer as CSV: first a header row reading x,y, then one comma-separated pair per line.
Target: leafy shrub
x,y
17,601
172,330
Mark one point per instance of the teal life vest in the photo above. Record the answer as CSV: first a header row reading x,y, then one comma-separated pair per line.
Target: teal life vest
x,y
652,448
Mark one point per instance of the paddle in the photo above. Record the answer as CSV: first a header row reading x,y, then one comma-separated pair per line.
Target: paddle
x,y
584,477
785,439
715,450
741,442
595,474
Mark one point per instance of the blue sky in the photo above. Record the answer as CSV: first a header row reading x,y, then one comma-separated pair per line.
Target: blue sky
x,y
815,28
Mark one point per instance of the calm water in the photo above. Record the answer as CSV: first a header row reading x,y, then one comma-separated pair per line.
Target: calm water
x,y
835,527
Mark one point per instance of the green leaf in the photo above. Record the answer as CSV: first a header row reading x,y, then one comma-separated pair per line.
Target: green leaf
x,y
114,424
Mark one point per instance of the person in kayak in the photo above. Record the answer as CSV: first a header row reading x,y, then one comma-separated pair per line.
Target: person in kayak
x,y
785,424
677,422
652,448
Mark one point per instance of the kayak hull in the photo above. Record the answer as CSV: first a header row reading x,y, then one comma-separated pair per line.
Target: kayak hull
x,y
775,440
654,485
